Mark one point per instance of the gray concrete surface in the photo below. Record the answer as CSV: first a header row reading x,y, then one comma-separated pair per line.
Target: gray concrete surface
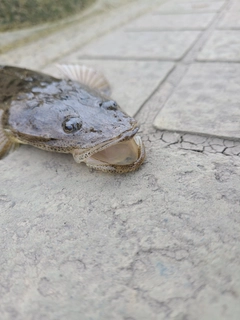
x,y
222,46
178,22
141,45
179,7
205,103
162,242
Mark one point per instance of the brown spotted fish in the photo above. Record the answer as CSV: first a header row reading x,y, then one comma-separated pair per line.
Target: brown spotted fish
x,y
72,115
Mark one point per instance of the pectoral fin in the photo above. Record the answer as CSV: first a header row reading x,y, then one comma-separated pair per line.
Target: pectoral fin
x,y
6,145
86,76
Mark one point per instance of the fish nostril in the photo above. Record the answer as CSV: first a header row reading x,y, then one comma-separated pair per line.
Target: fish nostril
x,y
65,97
98,103
110,105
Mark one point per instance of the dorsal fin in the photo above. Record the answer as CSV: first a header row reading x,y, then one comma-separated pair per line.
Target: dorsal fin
x,y
87,76
6,145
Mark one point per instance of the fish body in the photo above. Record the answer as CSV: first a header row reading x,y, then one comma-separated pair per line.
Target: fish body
x,y
73,115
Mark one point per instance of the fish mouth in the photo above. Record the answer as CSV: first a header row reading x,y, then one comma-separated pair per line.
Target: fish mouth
x,y
120,155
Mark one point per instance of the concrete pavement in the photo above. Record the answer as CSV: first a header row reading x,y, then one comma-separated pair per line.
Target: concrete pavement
x,y
159,243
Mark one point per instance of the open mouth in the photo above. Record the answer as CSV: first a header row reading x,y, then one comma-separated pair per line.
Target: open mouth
x,y
123,155
126,154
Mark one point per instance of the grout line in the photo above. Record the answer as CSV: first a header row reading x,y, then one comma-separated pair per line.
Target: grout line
x,y
165,30
174,78
129,58
205,35
217,61
102,33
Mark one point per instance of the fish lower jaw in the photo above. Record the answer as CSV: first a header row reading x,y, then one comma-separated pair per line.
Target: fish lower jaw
x,y
122,157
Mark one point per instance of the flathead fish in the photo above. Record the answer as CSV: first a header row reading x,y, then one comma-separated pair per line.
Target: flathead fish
x,y
71,115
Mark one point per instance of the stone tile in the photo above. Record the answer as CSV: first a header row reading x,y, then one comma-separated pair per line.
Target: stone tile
x,y
205,102
9,38
230,21
223,45
190,7
70,37
172,45
172,22
235,6
132,82
66,231
192,1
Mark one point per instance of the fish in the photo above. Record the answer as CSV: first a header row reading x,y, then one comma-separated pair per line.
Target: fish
x,y
71,114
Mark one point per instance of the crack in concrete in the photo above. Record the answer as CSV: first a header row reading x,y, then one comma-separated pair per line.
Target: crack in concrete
x,y
196,143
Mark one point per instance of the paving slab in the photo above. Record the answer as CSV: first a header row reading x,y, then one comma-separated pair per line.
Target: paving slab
x,y
131,81
68,38
190,7
161,243
198,1
141,45
172,22
9,38
205,102
235,6
230,21
222,45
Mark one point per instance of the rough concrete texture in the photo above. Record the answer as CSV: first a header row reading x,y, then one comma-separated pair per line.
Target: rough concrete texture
x,y
11,38
223,45
141,45
230,21
204,102
235,5
157,244
160,22
179,7
70,36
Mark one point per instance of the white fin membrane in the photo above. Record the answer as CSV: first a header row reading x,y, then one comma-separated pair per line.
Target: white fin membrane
x,y
87,76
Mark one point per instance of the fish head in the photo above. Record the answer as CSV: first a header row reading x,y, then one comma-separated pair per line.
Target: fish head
x,y
65,116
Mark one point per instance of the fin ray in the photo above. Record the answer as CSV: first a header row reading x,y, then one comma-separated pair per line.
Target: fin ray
x,y
86,76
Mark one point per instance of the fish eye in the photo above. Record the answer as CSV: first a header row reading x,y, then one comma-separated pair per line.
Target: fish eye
x,y
71,125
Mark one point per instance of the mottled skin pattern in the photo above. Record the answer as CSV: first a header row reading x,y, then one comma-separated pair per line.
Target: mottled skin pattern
x,y
37,108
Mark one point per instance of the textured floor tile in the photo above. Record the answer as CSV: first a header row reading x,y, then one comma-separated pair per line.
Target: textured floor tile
x,y
206,102
198,1
223,45
172,22
190,7
235,6
8,38
172,45
86,245
132,82
230,21
67,39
